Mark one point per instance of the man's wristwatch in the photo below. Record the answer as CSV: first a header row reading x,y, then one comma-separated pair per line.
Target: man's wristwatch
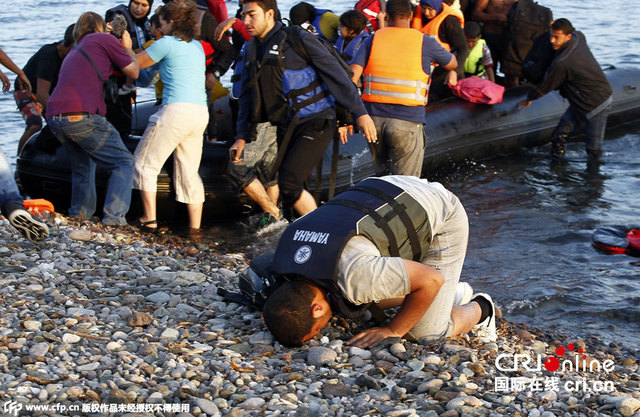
x,y
217,74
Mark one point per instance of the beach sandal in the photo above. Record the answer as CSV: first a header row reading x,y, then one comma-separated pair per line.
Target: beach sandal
x,y
143,226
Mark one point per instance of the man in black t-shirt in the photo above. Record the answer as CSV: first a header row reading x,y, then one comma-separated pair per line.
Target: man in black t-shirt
x,y
42,71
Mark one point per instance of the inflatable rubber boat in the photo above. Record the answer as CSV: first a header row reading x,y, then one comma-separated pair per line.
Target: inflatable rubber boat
x,y
456,131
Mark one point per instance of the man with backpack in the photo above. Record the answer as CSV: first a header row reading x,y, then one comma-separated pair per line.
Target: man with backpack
x,y
578,76
396,64
291,80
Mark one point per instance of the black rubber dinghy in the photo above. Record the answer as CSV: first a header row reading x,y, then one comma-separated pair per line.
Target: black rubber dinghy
x,y
457,131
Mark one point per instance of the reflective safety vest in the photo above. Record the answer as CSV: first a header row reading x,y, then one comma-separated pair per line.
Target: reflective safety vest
x,y
433,27
310,248
283,91
473,64
347,53
394,72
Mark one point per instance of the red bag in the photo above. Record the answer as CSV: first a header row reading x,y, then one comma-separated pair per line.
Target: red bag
x,y
477,90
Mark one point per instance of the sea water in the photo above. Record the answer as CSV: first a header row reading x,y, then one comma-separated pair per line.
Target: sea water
x,y
530,220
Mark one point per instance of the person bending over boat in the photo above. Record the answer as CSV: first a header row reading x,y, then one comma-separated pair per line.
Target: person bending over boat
x,y
296,95
76,116
42,70
576,74
179,125
443,23
393,60
395,241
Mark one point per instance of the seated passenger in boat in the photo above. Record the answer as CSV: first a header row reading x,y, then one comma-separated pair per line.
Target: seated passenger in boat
x,y
322,22
352,33
479,62
443,23
178,127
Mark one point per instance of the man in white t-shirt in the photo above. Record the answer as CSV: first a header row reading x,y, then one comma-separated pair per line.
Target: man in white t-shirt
x,y
395,241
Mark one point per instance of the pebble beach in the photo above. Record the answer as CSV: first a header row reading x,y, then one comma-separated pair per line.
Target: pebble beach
x,y
105,321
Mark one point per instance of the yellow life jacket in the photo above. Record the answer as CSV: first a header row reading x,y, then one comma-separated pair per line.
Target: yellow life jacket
x,y
473,64
394,72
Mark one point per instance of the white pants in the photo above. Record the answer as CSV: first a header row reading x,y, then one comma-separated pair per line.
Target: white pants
x,y
176,128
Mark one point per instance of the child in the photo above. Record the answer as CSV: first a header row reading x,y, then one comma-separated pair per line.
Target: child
x,y
156,32
479,61
351,33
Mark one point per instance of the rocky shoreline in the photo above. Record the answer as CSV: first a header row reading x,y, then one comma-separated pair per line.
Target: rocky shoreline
x,y
100,321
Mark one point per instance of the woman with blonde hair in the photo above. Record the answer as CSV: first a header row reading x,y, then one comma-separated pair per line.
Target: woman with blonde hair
x,y
76,115
179,125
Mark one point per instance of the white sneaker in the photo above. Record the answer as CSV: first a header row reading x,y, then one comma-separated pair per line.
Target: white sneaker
x,y
31,227
464,293
486,330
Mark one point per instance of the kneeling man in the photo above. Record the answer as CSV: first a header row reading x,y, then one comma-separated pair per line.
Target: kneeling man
x,y
386,242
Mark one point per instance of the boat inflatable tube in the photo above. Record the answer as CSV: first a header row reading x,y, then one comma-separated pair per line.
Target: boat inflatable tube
x,y
618,240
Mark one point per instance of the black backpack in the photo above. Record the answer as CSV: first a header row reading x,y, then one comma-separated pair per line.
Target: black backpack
x,y
526,20
255,284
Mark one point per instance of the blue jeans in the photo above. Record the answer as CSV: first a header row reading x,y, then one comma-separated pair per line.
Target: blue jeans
x,y
90,141
9,193
595,127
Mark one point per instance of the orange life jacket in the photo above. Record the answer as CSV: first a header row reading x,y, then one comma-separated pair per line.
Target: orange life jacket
x,y
394,72
433,27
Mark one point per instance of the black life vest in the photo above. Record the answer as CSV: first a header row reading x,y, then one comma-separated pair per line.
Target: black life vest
x,y
287,90
310,247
